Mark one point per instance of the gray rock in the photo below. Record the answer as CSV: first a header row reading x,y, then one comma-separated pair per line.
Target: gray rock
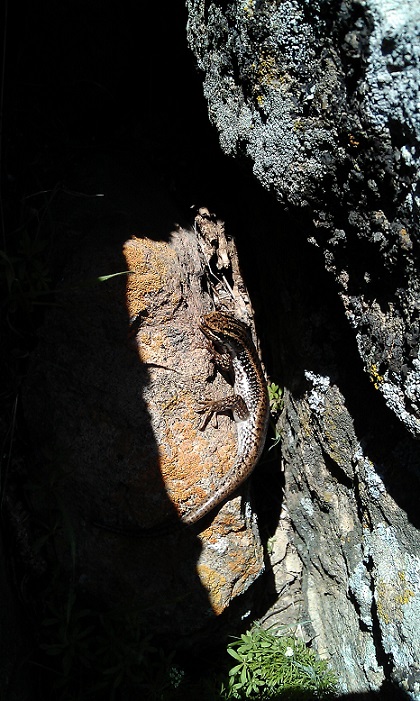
x,y
322,101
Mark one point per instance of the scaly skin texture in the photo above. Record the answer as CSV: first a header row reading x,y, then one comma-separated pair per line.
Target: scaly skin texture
x,y
249,403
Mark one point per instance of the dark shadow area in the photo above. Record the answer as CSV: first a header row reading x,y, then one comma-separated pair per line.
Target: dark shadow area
x,y
302,325
107,101
388,692
105,127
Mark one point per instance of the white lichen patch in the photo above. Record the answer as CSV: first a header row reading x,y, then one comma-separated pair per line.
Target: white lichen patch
x,y
397,595
316,395
360,587
394,63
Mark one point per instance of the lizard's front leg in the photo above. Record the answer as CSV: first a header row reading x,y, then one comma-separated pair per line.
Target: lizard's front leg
x,y
221,358
234,403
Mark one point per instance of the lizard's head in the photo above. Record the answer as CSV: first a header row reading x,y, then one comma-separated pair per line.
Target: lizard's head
x,y
218,325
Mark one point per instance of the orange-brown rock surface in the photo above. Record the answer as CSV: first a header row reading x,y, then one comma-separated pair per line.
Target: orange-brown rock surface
x,y
113,392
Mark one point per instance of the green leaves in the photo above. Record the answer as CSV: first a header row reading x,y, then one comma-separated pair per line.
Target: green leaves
x,y
275,395
24,277
272,666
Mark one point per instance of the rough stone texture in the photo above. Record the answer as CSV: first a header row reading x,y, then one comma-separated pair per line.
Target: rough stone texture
x,y
352,486
322,99
111,398
361,582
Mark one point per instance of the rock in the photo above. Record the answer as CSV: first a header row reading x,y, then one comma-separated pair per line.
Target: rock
x,y
323,103
111,397
319,100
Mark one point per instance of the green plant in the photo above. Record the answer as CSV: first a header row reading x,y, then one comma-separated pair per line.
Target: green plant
x,y
88,653
275,395
25,260
24,275
91,654
271,666
66,630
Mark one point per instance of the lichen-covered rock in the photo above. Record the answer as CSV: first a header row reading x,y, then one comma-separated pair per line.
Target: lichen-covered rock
x,y
324,102
360,550
321,99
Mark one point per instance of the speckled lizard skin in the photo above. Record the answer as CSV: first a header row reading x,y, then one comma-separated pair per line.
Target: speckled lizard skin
x,y
233,349
249,403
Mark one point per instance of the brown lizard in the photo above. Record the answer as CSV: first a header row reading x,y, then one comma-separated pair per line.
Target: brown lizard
x,y
234,349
